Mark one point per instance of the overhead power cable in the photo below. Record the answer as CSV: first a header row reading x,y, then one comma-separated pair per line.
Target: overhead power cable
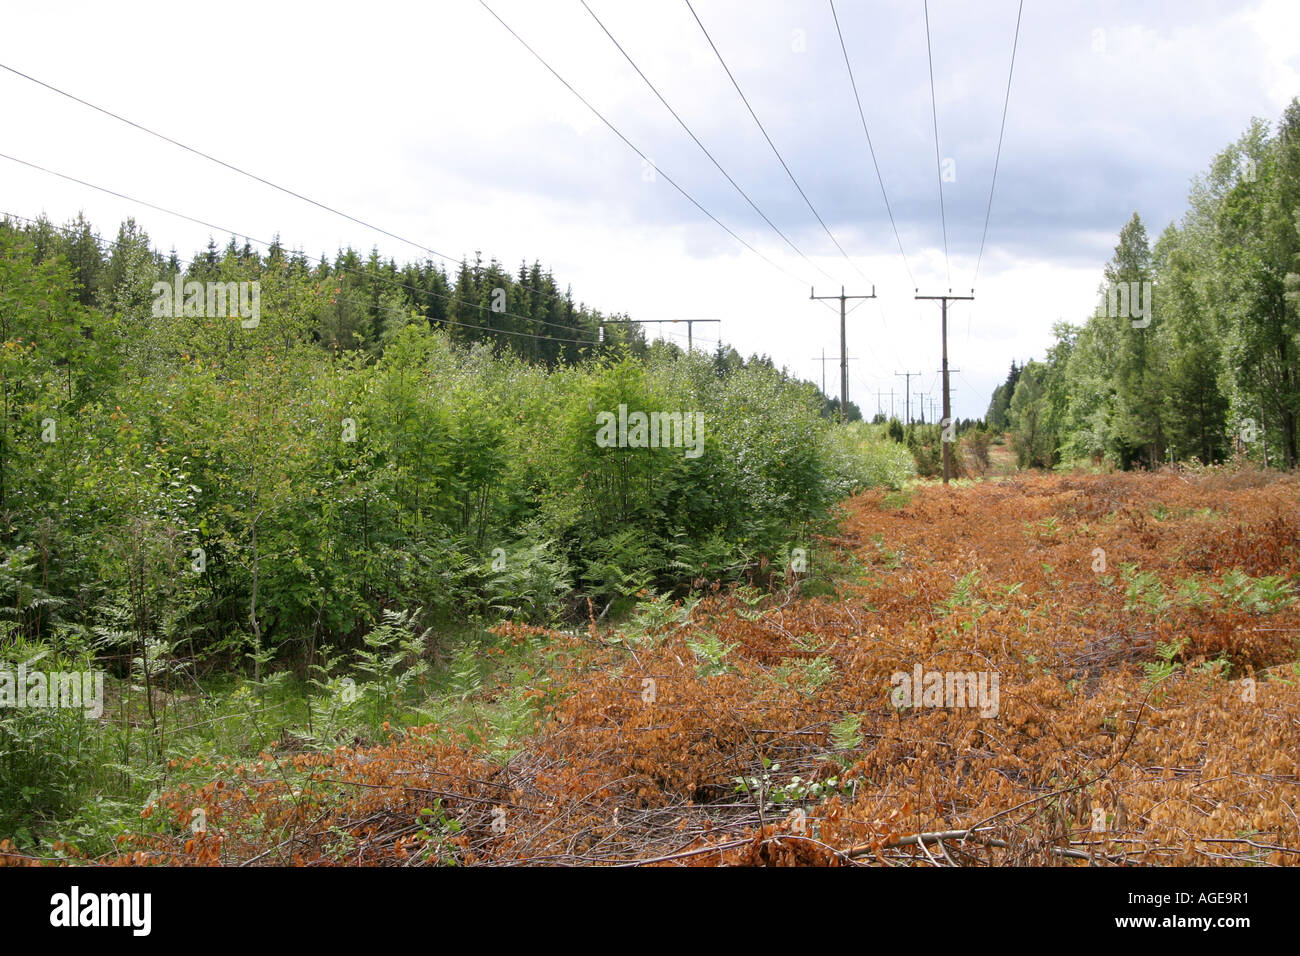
x,y
243,172
1002,130
763,130
229,166
703,148
938,167
632,146
861,115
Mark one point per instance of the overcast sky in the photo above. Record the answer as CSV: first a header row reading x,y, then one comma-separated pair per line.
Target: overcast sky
x,y
431,121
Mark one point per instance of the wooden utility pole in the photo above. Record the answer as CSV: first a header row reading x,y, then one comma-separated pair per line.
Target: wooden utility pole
x,y
947,402
824,360
907,392
690,337
844,355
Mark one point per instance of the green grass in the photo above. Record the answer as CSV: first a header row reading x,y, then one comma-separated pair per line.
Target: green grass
x,y
896,500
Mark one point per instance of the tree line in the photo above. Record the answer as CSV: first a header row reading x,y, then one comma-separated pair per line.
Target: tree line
x,y
1192,351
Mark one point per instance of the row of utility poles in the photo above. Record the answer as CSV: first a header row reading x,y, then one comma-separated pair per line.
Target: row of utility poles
x,y
943,301
907,417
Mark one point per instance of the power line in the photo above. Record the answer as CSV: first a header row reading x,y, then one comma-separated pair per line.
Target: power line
x,y
784,166
705,149
1005,102
554,297
973,389
885,326
868,368
862,116
222,162
878,392
934,112
646,159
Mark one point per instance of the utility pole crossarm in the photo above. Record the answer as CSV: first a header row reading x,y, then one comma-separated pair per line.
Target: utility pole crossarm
x,y
823,359
844,361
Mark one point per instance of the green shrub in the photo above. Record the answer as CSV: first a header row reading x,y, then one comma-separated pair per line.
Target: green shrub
x,y
49,756
864,457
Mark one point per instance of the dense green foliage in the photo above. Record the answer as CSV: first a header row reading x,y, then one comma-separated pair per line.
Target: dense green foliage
x,y
208,485
868,451
346,487
1202,362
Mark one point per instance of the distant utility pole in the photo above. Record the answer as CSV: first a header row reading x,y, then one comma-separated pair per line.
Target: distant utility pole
x,y
824,360
907,390
844,360
947,402
690,337
922,395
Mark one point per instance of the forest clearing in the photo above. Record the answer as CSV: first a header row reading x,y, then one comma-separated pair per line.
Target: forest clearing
x,y
526,437
1141,627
